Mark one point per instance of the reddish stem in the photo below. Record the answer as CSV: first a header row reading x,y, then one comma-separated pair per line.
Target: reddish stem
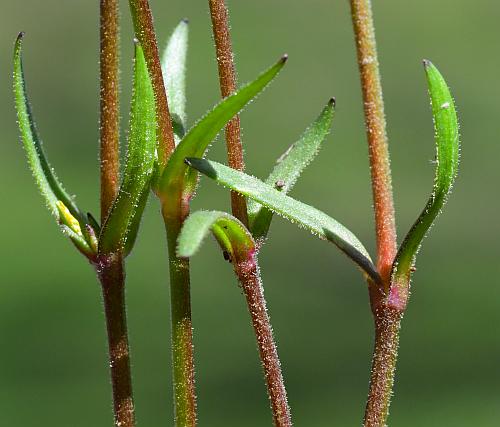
x,y
248,274
228,85
109,114
385,223
112,276
387,326
145,33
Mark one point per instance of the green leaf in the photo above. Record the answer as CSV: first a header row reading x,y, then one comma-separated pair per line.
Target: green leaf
x,y
317,222
177,178
447,158
173,66
60,204
289,167
120,228
231,234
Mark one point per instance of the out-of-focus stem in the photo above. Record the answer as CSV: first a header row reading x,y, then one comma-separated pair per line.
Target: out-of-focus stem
x,y
112,276
145,33
248,274
227,80
377,137
109,110
182,330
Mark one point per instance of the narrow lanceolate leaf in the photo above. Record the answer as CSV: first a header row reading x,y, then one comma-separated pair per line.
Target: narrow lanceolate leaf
x,y
317,222
177,177
60,204
289,167
120,228
231,234
447,157
173,66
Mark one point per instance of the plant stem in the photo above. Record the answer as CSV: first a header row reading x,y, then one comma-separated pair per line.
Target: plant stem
x,y
385,223
110,269
112,276
145,33
227,80
248,274
182,331
387,319
109,114
387,326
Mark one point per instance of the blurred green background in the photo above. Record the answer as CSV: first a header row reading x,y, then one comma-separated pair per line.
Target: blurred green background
x,y
53,357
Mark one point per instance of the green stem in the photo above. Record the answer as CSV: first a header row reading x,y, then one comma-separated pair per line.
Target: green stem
x,y
248,274
227,80
112,276
385,224
182,331
387,326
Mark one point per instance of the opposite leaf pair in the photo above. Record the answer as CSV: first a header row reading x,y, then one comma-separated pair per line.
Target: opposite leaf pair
x,y
326,228
119,231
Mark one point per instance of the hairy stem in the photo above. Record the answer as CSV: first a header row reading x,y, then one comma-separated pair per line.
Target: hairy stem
x,y
109,114
112,276
387,325
145,33
182,331
227,80
377,137
248,274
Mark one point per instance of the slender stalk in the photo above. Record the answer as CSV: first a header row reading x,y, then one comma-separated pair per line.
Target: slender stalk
x,y
227,80
248,274
182,331
145,33
387,319
387,326
385,223
110,269
109,114
112,276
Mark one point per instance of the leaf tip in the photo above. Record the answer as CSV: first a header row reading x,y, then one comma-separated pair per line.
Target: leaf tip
x,y
284,58
20,36
185,21
427,63
332,102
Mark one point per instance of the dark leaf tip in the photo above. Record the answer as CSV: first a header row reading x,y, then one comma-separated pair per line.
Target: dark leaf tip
x,y
20,36
332,101
426,63
185,20
284,58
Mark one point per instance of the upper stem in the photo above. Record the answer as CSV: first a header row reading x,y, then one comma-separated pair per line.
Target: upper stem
x,y
248,274
109,114
112,276
385,223
182,330
145,33
228,85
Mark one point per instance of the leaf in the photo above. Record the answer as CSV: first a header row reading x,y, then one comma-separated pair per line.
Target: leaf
x,y
289,167
177,177
231,234
447,158
317,222
173,66
120,228
59,203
